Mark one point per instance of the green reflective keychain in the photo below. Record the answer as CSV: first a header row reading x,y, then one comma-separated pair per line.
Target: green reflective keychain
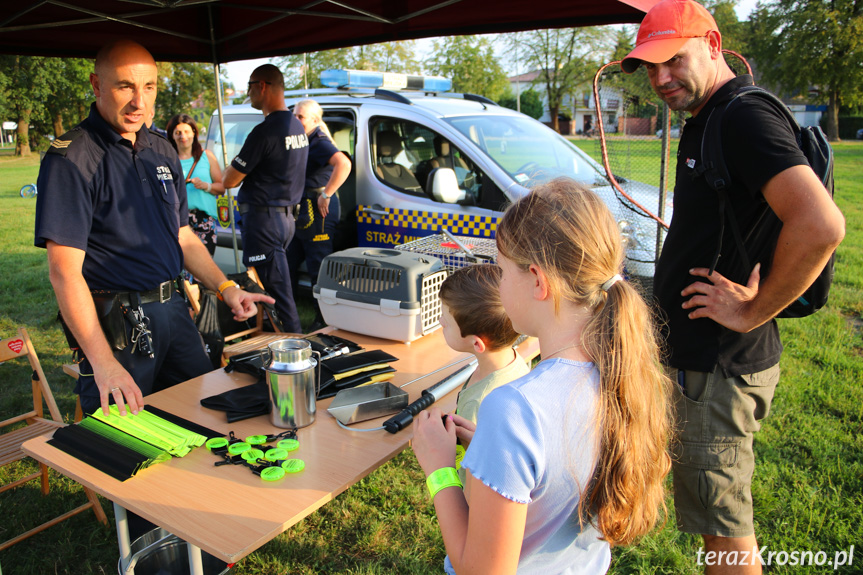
x,y
289,444
252,454
216,443
293,465
276,454
256,439
272,473
238,448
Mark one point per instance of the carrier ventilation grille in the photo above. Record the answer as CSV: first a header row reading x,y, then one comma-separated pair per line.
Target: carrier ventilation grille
x,y
363,279
431,308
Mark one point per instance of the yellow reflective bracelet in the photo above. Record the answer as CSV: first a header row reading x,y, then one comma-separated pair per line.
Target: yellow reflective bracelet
x,y
441,479
459,455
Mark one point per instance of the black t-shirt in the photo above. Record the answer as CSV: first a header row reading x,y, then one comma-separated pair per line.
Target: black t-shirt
x,y
758,144
120,204
274,161
318,168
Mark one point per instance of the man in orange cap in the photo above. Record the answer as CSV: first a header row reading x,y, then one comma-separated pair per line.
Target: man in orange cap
x,y
723,341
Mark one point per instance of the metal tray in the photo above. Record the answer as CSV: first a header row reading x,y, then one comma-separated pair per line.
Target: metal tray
x,y
367,402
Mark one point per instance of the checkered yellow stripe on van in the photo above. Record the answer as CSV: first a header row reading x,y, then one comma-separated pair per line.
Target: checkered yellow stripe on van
x,y
458,224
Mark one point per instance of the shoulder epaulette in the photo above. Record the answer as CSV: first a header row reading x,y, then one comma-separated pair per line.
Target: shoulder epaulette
x,y
61,145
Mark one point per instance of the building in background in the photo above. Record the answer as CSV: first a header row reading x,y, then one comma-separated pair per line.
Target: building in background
x,y
577,111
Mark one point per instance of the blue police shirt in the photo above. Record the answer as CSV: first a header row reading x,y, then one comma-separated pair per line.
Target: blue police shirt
x,y
273,158
318,168
120,204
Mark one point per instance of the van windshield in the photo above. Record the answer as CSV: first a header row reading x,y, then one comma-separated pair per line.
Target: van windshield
x,y
527,150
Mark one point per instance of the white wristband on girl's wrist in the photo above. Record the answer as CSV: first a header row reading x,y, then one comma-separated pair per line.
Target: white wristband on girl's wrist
x,y
209,186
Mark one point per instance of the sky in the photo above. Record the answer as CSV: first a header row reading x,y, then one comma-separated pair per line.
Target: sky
x,y
239,72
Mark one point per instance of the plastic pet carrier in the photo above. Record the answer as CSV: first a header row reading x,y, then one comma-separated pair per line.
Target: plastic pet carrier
x,y
383,293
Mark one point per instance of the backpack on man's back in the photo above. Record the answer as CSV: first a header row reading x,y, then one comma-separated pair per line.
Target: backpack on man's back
x,y
818,152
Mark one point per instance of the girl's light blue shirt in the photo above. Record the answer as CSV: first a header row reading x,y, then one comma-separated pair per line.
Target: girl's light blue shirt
x,y
536,443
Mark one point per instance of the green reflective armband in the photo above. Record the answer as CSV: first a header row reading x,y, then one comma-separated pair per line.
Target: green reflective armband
x,y
441,479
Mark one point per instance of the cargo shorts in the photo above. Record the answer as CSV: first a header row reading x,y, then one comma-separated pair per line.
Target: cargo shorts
x,y
713,459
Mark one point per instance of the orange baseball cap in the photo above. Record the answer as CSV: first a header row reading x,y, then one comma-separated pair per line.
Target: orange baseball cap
x,y
665,29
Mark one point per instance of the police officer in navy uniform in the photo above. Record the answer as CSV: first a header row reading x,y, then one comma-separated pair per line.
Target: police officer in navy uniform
x,y
272,167
326,170
112,215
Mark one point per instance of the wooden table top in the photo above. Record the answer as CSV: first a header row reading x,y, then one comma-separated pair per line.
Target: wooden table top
x,y
230,512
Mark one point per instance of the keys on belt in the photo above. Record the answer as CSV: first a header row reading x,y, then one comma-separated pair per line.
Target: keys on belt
x,y
141,337
142,340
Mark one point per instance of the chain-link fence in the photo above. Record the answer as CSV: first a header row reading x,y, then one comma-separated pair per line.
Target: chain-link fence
x,y
632,121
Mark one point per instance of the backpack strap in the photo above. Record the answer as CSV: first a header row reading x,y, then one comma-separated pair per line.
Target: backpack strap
x,y
715,171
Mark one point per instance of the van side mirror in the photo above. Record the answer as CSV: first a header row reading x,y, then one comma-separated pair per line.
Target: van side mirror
x,y
444,186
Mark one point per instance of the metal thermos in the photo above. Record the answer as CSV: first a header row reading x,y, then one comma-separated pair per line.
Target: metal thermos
x,y
291,379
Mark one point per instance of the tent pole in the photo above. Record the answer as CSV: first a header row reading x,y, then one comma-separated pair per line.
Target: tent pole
x,y
217,72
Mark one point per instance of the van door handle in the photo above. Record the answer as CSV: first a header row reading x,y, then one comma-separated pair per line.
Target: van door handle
x,y
375,212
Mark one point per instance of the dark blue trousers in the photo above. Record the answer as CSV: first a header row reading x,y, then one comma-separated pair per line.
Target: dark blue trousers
x,y
178,354
266,236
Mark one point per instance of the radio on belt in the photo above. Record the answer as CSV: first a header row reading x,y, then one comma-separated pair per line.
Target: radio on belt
x,y
381,292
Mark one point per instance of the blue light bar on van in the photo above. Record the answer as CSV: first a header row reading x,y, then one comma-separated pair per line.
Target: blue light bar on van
x,y
386,80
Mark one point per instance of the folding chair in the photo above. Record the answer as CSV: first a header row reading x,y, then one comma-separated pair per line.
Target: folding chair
x,y
11,441
193,294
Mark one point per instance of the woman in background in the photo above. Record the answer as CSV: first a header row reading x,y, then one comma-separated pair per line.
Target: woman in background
x,y
203,178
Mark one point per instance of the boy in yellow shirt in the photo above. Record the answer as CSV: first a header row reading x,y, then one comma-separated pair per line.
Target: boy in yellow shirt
x,y
473,320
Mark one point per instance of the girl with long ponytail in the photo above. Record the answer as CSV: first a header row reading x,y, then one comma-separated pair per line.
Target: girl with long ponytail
x,y
570,459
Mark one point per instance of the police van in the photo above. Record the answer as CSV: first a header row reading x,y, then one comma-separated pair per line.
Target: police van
x,y
424,159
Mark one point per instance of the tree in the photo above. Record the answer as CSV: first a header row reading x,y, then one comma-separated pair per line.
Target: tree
x,y
71,94
735,34
531,103
565,58
471,64
47,96
304,70
635,88
812,47
27,86
182,87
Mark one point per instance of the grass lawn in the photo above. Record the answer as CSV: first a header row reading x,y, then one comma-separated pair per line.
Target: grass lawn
x,y
808,487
